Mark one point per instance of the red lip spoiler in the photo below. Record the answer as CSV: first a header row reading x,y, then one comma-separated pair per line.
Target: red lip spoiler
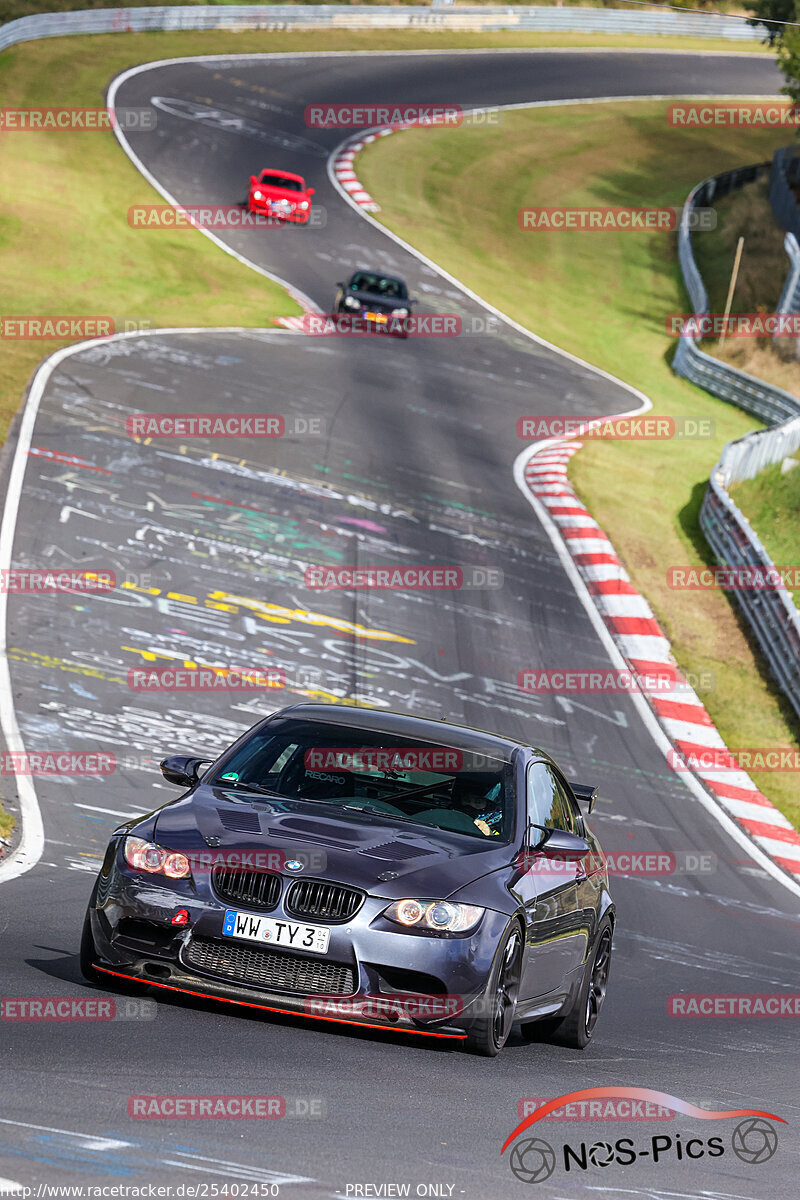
x,y
289,1012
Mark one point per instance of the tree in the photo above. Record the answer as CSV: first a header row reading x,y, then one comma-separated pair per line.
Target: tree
x,y
774,14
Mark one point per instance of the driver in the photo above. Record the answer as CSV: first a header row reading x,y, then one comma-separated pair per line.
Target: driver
x,y
482,808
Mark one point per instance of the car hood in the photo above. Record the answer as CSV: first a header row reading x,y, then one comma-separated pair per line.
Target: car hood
x,y
385,859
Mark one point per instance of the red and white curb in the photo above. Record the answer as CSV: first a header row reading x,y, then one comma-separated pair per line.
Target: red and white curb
x,y
344,170
294,323
641,641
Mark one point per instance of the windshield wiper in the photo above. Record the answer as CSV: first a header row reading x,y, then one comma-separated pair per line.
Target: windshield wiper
x,y
380,812
420,791
249,787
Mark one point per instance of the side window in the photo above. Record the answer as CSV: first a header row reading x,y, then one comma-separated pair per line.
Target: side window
x,y
548,804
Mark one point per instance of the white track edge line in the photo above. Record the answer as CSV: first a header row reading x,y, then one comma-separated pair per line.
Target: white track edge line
x,y
31,845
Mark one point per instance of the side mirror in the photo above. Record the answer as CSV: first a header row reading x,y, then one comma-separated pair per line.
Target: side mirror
x,y
254,179
585,793
558,843
181,769
340,284
310,191
413,300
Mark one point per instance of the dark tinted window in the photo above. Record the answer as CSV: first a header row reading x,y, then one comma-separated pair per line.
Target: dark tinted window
x,y
356,769
379,285
281,181
548,803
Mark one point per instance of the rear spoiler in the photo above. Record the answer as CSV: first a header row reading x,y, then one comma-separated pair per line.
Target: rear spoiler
x,y
586,793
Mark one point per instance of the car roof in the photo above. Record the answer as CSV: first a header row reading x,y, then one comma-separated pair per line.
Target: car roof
x,y
440,733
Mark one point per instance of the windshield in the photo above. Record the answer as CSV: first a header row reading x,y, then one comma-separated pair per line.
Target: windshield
x,y
379,285
379,774
282,181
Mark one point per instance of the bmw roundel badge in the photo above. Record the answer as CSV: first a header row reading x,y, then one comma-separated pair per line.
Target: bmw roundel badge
x,y
293,865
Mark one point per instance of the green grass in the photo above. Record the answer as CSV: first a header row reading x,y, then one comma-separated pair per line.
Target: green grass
x,y
7,823
603,296
771,503
763,269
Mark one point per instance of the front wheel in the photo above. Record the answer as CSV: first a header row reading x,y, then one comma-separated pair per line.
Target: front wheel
x,y
109,983
576,1026
498,1003
87,953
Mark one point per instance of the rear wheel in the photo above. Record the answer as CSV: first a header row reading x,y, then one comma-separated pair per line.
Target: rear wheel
x,y
498,1004
576,1026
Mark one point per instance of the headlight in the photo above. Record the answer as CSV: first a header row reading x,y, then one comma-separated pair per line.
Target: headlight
x,y
155,860
440,916
400,312
257,195
351,302
303,204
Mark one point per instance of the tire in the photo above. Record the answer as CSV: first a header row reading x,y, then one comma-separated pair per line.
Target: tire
x,y
498,1002
87,953
577,1025
107,982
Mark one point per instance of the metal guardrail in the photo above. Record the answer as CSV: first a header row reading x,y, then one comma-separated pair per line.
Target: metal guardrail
x,y
748,457
784,174
294,16
790,296
770,612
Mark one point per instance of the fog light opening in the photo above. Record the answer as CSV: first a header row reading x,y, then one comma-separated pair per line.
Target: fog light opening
x,y
157,970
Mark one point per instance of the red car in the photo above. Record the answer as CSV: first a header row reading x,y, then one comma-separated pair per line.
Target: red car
x,y
280,194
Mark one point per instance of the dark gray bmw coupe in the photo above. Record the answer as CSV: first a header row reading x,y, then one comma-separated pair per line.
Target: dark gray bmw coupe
x,y
366,867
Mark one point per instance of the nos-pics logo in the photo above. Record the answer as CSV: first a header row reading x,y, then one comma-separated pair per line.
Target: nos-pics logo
x,y
753,1140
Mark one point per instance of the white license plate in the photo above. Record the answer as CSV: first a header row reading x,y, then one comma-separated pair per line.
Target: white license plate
x,y
290,935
